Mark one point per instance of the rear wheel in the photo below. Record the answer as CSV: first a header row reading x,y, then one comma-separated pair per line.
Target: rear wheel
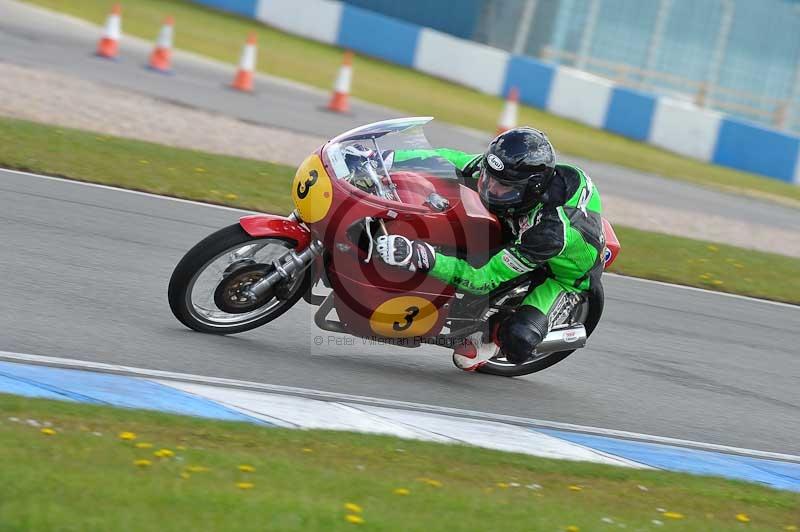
x,y
207,286
589,314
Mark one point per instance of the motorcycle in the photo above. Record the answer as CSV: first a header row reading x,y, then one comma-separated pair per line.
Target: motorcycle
x,y
376,179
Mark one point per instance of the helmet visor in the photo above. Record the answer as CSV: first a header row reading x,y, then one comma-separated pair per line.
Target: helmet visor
x,y
499,193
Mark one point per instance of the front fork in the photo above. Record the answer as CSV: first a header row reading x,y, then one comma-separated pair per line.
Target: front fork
x,y
289,265
285,268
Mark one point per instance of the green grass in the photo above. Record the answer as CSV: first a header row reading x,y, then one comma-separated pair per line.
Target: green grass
x,y
705,265
83,477
265,187
221,36
144,166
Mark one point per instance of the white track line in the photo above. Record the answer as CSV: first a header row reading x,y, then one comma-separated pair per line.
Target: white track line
x,y
232,209
341,397
703,290
126,190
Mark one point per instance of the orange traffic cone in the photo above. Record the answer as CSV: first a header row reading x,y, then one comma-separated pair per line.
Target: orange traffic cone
x,y
247,64
108,46
508,119
341,89
161,58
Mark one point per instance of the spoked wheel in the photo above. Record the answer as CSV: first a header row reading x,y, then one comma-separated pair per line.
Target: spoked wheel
x,y
588,313
206,291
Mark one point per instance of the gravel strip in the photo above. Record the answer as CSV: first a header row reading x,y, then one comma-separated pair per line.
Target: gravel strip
x,y
702,226
29,94
66,101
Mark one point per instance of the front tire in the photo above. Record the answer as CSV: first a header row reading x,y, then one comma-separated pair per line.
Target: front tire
x,y
192,302
504,369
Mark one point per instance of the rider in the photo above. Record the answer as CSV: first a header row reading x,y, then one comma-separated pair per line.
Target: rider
x,y
553,212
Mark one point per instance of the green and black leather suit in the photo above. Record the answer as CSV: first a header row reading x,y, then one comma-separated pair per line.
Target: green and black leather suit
x,y
563,234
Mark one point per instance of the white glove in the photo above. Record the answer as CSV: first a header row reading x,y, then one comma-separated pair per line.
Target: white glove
x,y
414,255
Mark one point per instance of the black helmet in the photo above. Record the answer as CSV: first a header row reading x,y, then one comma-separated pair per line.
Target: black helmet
x,y
516,171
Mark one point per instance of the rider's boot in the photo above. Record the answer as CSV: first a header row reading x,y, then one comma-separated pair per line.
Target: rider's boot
x,y
476,350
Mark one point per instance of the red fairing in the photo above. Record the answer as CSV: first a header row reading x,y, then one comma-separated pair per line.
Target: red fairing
x,y
612,244
266,225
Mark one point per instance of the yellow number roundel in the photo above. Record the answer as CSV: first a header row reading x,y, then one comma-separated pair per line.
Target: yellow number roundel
x,y
312,190
404,317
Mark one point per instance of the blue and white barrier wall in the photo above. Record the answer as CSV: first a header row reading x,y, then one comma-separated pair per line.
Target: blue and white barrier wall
x,y
677,126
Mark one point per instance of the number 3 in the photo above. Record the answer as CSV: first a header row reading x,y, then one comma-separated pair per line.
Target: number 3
x,y
303,188
411,313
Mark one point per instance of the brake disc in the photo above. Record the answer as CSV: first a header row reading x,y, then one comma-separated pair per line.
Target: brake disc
x,y
230,294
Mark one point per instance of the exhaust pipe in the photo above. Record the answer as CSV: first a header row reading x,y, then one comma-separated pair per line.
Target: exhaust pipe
x,y
563,339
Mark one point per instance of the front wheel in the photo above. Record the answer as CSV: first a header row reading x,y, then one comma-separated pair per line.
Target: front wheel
x,y
589,315
205,287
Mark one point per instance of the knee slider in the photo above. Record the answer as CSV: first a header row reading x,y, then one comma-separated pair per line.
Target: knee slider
x,y
521,332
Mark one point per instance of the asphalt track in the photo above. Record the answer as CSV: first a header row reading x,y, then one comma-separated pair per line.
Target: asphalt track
x,y
42,39
84,269
84,272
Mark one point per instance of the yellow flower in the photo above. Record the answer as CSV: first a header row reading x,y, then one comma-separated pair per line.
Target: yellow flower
x,y
308,450
673,515
142,463
742,518
573,528
231,196
245,485
163,453
196,469
401,491
354,519
790,528
502,485
430,482
575,488
47,432
185,475
244,468
705,276
353,508
143,445
200,170
127,436
716,282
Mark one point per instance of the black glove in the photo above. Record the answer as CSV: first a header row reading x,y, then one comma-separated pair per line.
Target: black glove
x,y
414,255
